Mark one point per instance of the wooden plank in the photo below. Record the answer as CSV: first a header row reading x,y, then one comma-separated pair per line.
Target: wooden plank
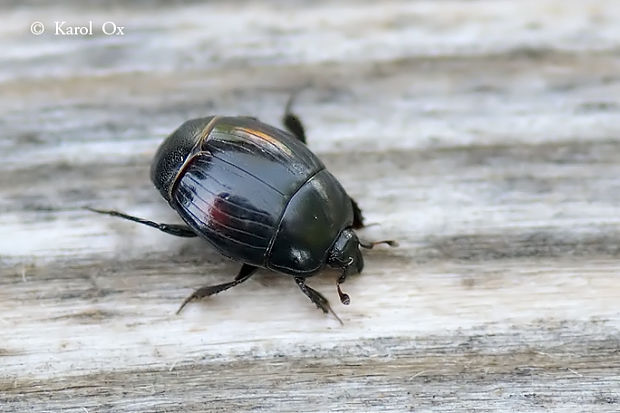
x,y
482,135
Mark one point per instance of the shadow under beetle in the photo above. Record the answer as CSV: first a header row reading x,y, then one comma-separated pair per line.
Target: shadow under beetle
x,y
259,196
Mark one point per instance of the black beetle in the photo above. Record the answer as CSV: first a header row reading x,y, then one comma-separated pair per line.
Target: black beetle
x,y
259,196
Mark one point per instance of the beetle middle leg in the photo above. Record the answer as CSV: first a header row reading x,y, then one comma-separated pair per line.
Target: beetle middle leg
x,y
294,125
292,122
172,229
246,272
316,297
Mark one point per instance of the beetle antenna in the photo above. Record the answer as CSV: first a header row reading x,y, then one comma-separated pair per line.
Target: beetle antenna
x,y
372,224
344,297
370,245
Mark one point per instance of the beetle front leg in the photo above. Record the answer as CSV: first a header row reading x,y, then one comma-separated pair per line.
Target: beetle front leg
x,y
316,297
246,272
172,229
358,218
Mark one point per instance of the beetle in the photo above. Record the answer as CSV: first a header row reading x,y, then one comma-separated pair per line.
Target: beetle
x,y
259,196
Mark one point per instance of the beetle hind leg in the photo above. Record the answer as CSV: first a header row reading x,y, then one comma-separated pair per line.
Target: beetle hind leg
x,y
246,272
316,297
172,229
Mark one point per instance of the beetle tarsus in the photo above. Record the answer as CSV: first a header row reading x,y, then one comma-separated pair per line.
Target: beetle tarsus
x,y
246,272
317,298
172,229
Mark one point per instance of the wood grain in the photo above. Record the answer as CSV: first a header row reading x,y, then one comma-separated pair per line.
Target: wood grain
x,y
482,135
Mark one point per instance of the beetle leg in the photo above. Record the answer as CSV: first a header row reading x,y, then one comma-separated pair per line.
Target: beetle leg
x,y
292,122
172,229
316,297
358,218
246,272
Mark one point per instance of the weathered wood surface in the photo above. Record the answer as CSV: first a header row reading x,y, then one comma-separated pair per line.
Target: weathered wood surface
x,y
483,135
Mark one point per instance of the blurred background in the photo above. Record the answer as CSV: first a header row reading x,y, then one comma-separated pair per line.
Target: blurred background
x,y
482,135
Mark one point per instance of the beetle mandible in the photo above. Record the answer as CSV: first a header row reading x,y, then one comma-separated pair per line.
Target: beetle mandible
x,y
260,197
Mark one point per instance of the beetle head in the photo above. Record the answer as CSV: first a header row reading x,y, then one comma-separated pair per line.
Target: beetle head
x,y
174,151
345,253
